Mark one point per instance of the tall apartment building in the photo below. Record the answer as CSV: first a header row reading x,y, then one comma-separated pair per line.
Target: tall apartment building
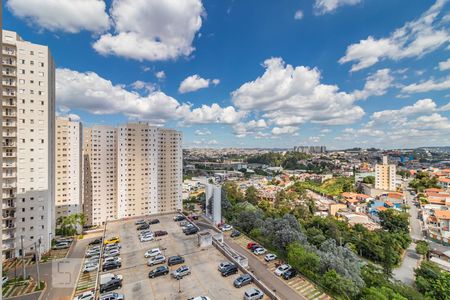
x,y
100,174
28,139
148,172
68,182
310,149
386,176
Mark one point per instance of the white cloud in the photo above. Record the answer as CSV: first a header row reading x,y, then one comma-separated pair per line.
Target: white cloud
x,y
322,7
251,127
288,96
414,39
298,15
152,30
195,82
325,130
444,65
426,86
160,75
205,142
92,93
203,131
284,130
68,16
376,84
142,85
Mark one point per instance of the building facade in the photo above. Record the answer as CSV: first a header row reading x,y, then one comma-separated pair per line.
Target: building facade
x,y
310,149
385,176
99,174
148,172
28,143
68,160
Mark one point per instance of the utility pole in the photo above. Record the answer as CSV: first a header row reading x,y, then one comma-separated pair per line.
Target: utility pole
x,y
23,256
36,253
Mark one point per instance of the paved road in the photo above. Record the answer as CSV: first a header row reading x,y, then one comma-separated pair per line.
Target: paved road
x,y
60,275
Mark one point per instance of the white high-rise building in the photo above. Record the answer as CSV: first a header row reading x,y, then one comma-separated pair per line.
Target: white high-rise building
x,y
147,170
68,194
28,143
386,176
100,174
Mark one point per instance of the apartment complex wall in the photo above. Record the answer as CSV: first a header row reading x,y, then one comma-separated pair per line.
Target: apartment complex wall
x,y
28,139
68,159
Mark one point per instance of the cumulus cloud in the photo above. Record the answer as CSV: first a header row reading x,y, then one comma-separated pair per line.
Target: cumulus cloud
x,y
444,65
195,82
427,86
89,92
284,130
160,75
152,30
289,96
203,131
322,7
298,15
414,39
142,85
67,16
376,84
242,129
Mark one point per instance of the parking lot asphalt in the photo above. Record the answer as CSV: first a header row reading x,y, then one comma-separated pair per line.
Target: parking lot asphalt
x,y
205,279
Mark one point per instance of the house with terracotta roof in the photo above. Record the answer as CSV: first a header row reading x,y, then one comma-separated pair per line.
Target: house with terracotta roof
x,y
444,182
437,222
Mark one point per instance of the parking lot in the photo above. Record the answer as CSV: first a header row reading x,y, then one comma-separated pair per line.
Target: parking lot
x,y
205,279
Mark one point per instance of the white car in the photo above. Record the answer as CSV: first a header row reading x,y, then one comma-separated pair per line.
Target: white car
x,y
200,298
89,295
111,253
146,238
4,280
109,259
282,269
152,252
90,267
259,251
158,259
226,227
270,257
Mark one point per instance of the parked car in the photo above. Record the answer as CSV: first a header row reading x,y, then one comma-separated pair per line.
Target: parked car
x,y
226,227
156,260
112,296
242,280
159,271
223,265
111,253
251,244
175,260
259,251
152,252
181,272
92,254
95,242
190,231
90,267
253,294
111,265
291,273
112,246
62,245
111,285
112,258
4,280
230,270
160,233
89,295
153,221
184,223
104,278
187,227
200,298
282,269
235,233
93,259
143,227
139,222
113,240
178,218
270,257
146,238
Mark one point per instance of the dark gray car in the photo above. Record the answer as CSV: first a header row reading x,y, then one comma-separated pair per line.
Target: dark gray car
x,y
242,280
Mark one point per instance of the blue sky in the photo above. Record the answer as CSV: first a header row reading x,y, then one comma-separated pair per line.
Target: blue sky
x,y
253,73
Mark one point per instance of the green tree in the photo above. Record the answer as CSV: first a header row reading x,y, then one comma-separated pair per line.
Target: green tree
x,y
422,248
390,255
393,220
305,261
381,293
369,180
339,285
251,195
433,281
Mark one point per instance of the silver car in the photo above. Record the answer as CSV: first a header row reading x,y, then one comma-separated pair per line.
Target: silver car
x,y
253,294
181,272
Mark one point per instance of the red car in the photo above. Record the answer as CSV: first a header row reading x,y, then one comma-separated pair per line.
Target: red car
x,y
160,233
251,245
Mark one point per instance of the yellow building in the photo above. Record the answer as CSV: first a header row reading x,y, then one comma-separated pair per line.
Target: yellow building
x,y
385,176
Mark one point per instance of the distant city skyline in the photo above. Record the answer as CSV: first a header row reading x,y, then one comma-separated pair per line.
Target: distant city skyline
x,y
252,73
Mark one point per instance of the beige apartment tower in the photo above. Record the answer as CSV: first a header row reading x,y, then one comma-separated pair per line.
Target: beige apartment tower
x,y
100,174
68,193
144,176
28,140
385,176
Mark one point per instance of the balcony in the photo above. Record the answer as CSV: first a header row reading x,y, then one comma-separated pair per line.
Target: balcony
x,y
9,154
9,83
9,73
8,216
9,103
9,93
8,236
8,196
9,165
8,246
9,62
11,114
8,226
9,175
9,144
9,134
9,185
8,205
9,124
9,52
